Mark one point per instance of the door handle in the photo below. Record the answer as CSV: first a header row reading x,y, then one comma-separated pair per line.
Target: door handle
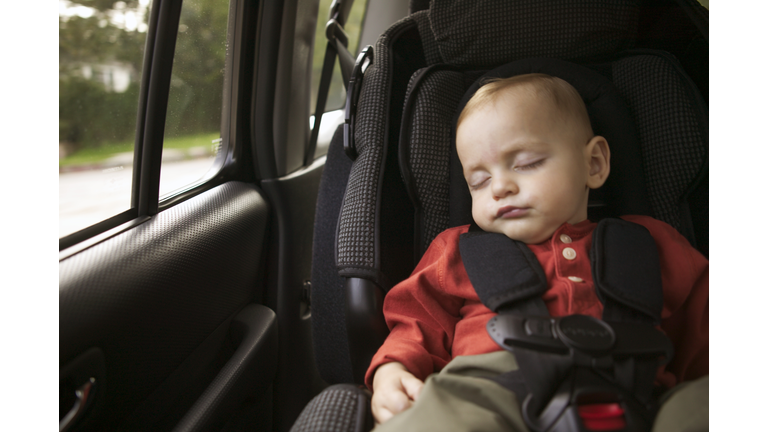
x,y
81,395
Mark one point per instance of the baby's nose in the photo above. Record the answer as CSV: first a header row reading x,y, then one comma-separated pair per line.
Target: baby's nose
x,y
503,186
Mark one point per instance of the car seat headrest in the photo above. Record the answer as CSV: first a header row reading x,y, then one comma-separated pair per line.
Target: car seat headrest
x,y
624,192
486,33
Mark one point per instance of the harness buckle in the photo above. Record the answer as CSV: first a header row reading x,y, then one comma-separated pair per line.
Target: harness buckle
x,y
597,360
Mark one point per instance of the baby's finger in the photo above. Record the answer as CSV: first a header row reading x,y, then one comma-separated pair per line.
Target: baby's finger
x,y
397,402
388,407
412,386
388,402
381,415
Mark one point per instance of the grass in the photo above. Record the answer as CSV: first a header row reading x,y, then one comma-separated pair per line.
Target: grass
x,y
95,155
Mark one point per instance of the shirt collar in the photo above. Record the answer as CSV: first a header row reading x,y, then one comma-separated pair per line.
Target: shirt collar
x,y
577,230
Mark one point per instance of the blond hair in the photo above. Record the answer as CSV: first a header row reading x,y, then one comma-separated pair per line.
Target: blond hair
x,y
558,92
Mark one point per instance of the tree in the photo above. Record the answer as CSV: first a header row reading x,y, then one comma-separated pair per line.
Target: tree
x,y
91,45
93,114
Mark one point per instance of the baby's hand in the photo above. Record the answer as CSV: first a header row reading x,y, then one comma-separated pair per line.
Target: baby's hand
x,y
394,390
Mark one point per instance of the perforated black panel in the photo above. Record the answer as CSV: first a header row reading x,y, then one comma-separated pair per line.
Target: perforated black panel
x,y
149,296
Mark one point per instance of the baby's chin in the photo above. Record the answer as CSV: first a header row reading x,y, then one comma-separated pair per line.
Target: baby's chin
x,y
527,236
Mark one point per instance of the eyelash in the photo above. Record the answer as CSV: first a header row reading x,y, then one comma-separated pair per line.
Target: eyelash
x,y
530,166
477,186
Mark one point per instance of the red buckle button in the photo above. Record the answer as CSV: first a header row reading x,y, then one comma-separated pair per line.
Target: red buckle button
x,y
603,417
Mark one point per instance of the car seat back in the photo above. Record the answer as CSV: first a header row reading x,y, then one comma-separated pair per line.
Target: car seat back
x,y
373,224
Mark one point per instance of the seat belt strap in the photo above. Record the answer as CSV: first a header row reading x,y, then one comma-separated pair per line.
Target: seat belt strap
x,y
627,277
626,272
505,273
337,45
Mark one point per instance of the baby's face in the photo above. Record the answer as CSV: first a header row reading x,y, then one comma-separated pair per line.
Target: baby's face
x,y
526,168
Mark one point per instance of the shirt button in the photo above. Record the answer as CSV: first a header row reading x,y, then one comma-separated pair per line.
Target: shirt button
x,y
569,253
565,239
575,278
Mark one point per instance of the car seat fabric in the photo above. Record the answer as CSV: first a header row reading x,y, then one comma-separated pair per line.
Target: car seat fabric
x,y
328,318
340,408
360,219
672,123
424,161
487,33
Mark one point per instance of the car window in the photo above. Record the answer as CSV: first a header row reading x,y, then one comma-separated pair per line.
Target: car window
x,y
193,122
333,115
337,94
101,47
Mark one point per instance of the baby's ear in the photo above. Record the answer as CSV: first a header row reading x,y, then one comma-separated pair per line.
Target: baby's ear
x,y
599,160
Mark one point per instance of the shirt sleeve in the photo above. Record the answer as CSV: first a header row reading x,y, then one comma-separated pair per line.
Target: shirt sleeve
x,y
685,317
421,316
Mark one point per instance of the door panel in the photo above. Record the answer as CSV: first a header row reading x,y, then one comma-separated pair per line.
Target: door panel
x,y
293,198
157,302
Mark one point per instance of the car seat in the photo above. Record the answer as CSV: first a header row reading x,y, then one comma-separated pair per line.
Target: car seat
x,y
392,181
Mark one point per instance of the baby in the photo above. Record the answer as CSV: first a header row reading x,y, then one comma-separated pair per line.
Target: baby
x,y
529,157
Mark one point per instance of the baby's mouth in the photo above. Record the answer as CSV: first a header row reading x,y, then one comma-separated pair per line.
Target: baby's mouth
x,y
509,212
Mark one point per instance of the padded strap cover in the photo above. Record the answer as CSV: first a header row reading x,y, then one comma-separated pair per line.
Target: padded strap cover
x,y
626,272
503,271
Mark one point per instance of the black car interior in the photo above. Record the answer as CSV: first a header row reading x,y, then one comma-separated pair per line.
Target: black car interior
x,y
232,305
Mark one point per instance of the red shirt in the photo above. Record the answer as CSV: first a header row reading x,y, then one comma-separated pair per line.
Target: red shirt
x,y
436,315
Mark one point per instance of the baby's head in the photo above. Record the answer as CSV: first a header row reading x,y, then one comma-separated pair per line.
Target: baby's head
x,y
529,156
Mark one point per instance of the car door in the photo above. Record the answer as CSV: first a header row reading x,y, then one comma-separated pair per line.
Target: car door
x,y
185,310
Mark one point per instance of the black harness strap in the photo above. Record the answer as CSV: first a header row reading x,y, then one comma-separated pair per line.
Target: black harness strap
x,y
626,272
508,279
627,277
504,272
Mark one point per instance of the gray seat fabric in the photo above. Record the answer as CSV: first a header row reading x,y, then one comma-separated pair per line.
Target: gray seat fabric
x,y
672,121
339,408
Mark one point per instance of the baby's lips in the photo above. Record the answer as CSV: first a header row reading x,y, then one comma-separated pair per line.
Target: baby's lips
x,y
511,211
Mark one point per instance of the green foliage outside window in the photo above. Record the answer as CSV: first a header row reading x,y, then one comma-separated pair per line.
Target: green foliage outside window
x,y
94,112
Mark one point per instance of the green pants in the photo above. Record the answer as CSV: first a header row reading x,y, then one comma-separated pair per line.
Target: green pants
x,y
459,398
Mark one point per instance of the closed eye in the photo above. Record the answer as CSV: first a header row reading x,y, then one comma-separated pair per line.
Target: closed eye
x,y
477,185
530,166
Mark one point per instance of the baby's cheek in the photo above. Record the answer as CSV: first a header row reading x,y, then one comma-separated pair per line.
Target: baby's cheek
x,y
476,214
482,218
